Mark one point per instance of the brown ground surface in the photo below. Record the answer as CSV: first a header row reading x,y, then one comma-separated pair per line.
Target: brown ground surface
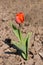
x,y
33,10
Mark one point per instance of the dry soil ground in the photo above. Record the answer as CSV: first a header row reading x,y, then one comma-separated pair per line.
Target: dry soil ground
x,y
33,10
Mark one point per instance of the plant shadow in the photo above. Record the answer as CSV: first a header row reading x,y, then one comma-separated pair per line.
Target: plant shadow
x,y
18,52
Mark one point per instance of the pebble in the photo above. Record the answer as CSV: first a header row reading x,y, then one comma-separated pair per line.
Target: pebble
x,y
41,54
37,37
5,46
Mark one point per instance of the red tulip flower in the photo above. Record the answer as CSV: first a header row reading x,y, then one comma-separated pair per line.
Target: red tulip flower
x,y
19,18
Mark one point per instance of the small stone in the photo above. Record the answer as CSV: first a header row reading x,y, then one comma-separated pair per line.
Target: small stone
x,y
7,50
41,54
37,37
4,19
12,49
5,46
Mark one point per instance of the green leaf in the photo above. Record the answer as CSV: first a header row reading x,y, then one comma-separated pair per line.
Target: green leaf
x,y
20,36
17,32
24,56
26,42
26,49
27,38
23,46
23,43
19,45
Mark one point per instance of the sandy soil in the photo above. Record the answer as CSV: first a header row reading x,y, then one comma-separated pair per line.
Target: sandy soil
x,y
33,10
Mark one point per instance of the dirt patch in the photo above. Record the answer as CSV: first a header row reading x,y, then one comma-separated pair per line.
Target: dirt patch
x,y
33,10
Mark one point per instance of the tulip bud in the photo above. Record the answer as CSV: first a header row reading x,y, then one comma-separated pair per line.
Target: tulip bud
x,y
20,18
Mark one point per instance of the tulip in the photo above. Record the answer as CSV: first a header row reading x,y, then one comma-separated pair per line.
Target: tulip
x,y
22,44
20,18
